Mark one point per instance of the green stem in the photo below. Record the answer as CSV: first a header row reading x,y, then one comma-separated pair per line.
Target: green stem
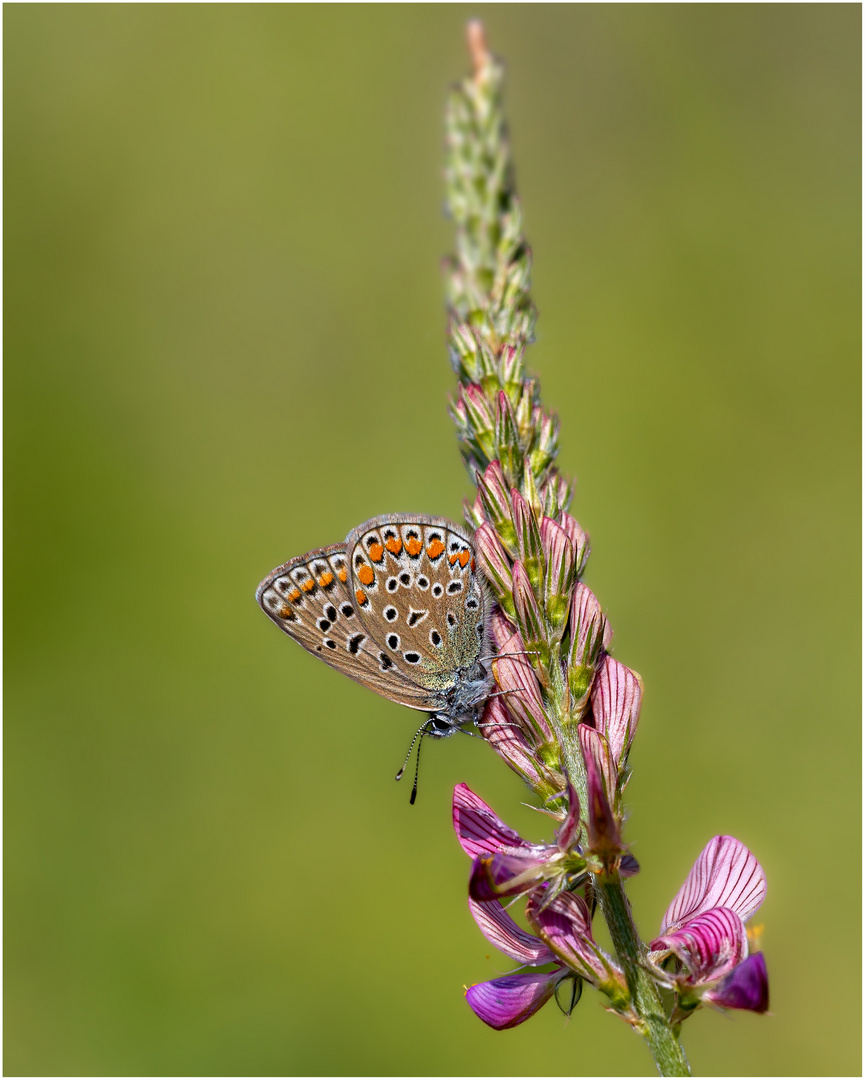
x,y
653,1024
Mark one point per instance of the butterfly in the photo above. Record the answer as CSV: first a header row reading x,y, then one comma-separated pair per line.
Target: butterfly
x,y
401,608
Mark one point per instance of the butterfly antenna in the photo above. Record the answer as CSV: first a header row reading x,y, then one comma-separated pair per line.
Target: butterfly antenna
x,y
411,747
417,767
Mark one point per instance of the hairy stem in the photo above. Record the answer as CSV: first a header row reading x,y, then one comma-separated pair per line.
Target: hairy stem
x,y
652,1024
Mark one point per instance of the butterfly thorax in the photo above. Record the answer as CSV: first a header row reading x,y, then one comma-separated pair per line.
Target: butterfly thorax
x,y
465,705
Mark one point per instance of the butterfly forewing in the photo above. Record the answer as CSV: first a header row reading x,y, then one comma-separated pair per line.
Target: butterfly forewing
x,y
418,595
309,598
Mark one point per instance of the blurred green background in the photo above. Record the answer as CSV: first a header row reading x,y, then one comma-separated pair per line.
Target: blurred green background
x,y
225,346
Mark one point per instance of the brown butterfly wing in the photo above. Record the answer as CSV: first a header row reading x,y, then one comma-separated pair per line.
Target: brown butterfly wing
x,y
420,597
310,600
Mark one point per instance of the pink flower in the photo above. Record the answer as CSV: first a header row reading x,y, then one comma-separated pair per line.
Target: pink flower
x,y
511,999
505,864
704,929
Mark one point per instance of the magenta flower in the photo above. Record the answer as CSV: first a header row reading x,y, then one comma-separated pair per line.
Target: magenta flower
x,y
704,929
505,864
509,1000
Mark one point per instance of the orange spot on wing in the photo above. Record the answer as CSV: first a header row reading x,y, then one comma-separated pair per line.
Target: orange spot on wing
x,y
342,575
361,597
294,595
453,558
464,557
435,549
365,575
325,579
394,545
308,585
473,564
284,611
376,552
413,546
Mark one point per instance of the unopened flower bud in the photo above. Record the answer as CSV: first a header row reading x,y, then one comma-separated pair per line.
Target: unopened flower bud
x,y
559,579
529,544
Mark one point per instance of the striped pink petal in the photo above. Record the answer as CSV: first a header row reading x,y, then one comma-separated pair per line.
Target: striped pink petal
x,y
616,696
579,539
603,835
522,693
505,737
709,946
596,750
506,1002
500,930
501,628
565,926
725,875
478,829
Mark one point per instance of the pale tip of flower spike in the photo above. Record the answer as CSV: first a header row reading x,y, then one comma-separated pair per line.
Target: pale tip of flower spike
x,y
476,40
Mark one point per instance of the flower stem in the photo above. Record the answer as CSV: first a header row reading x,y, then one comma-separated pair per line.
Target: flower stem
x,y
652,1022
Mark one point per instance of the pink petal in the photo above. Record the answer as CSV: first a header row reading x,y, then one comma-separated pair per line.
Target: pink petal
x,y
725,875
494,562
579,539
595,749
590,635
569,831
506,1002
501,628
616,697
503,874
500,930
505,737
565,926
604,837
514,674
709,946
478,829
